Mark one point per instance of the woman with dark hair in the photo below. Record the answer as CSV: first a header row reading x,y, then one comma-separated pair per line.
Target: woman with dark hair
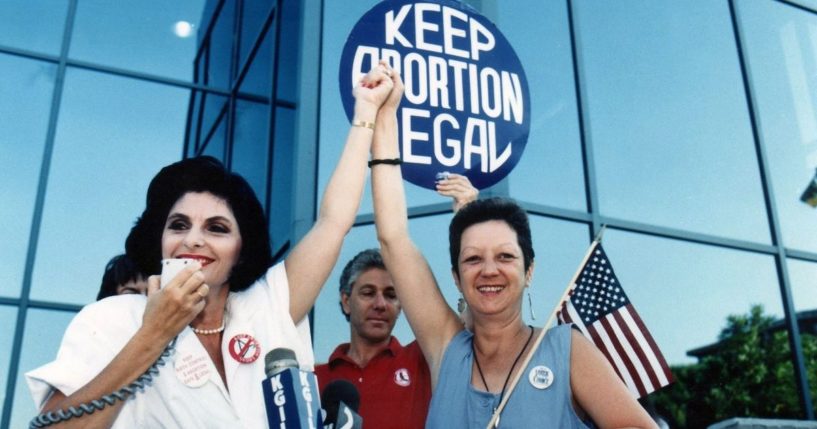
x,y
567,382
226,309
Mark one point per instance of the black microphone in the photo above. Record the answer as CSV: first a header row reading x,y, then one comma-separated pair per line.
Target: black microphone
x,y
341,401
288,391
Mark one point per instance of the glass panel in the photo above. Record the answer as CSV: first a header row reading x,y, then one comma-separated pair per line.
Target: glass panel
x,y
802,276
670,280
684,293
252,20
559,247
193,122
43,334
217,141
219,64
280,210
35,25
289,49
258,79
214,106
810,4
781,48
550,170
674,146
152,36
8,318
113,136
24,126
250,144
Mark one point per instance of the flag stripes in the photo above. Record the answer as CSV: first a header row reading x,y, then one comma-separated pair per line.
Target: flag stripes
x,y
600,309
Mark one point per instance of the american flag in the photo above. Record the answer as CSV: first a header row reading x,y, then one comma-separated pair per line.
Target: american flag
x,y
598,306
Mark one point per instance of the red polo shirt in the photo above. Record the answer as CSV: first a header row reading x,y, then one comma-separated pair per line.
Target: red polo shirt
x,y
395,386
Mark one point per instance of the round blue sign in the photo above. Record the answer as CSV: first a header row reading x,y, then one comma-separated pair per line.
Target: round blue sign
x,y
466,107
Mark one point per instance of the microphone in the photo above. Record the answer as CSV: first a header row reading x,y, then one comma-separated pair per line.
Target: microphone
x,y
342,401
288,393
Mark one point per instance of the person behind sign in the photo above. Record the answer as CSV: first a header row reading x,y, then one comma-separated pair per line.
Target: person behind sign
x,y
227,309
122,277
393,380
568,381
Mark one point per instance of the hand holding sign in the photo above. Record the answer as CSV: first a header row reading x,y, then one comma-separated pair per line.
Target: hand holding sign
x,y
459,188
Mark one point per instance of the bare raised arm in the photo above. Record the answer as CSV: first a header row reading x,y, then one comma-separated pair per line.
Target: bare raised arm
x,y
432,320
311,261
168,311
599,392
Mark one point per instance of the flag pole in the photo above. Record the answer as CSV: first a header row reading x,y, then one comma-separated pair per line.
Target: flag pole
x,y
494,422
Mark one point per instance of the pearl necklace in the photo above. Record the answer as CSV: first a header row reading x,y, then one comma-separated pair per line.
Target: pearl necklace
x,y
209,331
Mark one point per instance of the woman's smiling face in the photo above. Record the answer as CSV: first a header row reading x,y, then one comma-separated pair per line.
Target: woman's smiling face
x,y
202,226
492,274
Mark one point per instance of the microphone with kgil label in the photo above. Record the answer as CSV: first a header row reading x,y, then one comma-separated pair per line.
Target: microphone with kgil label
x,y
290,395
341,401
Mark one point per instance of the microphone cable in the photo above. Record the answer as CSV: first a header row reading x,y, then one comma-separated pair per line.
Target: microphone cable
x,y
138,385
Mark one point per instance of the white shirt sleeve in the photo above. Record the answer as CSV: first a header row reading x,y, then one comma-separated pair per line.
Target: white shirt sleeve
x,y
93,338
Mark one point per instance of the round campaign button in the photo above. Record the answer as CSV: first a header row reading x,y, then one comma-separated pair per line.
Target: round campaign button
x,y
402,378
193,370
540,377
244,348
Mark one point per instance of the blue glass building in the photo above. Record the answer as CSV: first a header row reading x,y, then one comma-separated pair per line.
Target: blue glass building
x,y
689,128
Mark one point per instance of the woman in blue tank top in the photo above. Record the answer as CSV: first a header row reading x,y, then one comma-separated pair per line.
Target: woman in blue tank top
x,y
568,381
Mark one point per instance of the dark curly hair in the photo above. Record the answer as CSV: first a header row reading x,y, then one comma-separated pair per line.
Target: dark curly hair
x,y
202,174
119,271
503,209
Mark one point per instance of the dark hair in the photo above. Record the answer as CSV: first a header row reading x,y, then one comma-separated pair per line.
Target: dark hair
x,y
120,270
362,262
503,209
202,174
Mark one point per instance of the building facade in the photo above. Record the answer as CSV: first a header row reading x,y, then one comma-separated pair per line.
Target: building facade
x,y
688,128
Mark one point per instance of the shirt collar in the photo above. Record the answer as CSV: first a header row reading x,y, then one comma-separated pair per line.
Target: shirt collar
x,y
340,353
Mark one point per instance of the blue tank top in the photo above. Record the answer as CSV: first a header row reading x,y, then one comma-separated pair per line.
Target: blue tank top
x,y
541,399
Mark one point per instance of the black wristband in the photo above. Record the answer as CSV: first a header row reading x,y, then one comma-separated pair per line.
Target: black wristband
x,y
393,161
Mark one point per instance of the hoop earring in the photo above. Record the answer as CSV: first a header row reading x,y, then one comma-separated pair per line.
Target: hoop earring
x,y
461,305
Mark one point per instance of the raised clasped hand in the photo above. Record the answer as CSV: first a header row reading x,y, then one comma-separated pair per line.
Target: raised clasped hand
x,y
375,88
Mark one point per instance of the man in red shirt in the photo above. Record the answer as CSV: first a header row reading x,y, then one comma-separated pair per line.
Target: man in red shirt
x,y
393,381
